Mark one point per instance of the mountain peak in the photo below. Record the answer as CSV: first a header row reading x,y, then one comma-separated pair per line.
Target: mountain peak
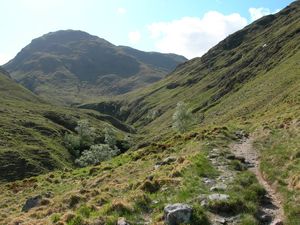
x,y
69,63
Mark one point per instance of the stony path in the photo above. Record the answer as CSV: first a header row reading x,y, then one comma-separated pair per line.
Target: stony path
x,y
271,208
219,185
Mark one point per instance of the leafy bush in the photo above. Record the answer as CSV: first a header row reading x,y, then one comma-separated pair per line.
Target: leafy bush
x,y
83,146
182,118
110,138
83,140
72,143
86,133
96,154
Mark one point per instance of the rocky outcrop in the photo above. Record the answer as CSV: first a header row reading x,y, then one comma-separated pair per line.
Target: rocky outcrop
x,y
31,203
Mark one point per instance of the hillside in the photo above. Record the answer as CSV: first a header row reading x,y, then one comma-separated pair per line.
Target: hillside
x,y
32,132
232,81
250,80
238,163
70,66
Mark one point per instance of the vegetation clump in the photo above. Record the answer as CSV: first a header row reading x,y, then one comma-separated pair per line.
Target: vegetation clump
x,y
84,148
182,118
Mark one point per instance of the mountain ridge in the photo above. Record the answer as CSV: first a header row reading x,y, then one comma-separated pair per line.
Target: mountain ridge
x,y
69,66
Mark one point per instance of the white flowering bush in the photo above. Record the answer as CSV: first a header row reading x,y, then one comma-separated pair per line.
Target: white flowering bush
x,y
83,140
96,154
182,118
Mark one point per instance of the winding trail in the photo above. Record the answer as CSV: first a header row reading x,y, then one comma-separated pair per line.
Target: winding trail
x,y
271,207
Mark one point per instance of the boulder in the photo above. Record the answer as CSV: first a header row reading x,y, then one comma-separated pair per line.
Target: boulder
x,y
31,203
177,214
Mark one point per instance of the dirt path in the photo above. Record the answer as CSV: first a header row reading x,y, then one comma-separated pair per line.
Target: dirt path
x,y
271,208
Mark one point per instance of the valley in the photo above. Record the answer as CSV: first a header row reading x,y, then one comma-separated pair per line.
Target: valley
x,y
92,133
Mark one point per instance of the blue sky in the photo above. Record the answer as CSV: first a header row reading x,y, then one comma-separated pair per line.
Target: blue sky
x,y
188,27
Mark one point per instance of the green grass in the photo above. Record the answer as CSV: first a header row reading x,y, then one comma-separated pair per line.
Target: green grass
x,y
258,92
281,164
32,132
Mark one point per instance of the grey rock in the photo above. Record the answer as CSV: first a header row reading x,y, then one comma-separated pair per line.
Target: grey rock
x,y
208,181
219,187
265,218
213,155
166,161
169,160
31,203
218,197
177,214
122,221
221,220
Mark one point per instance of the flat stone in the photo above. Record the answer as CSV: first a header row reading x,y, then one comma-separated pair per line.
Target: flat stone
x,y
219,187
221,220
208,181
218,197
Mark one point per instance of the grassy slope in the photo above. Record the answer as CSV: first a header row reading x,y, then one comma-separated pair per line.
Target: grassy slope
x,y
245,86
123,187
31,132
241,82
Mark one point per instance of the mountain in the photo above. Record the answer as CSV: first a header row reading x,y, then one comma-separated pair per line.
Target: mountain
x,y
32,131
69,66
244,97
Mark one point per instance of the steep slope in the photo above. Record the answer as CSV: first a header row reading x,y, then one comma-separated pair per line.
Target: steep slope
x,y
245,73
32,132
69,66
250,80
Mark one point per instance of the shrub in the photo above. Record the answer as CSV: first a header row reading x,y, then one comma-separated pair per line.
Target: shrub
x,y
72,143
86,133
96,154
110,138
182,118
84,139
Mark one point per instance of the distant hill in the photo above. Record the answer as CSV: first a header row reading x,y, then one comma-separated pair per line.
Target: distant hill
x,y
70,66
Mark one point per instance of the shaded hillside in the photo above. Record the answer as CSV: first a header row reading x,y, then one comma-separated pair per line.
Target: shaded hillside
x,y
69,66
250,71
32,132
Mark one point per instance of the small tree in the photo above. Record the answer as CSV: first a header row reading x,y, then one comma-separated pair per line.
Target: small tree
x,y
83,140
72,143
96,154
110,137
86,133
182,118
